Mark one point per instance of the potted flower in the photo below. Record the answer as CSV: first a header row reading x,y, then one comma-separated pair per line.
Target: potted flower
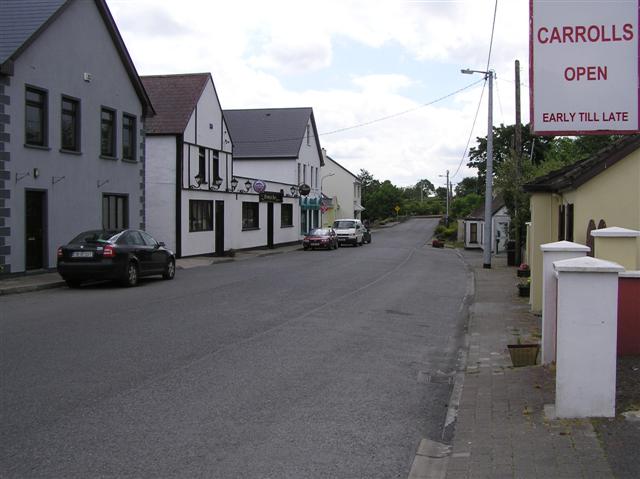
x,y
524,271
524,287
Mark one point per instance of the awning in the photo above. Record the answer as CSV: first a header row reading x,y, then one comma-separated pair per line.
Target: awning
x,y
358,207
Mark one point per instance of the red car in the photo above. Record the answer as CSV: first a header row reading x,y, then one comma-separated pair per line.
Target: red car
x,y
320,238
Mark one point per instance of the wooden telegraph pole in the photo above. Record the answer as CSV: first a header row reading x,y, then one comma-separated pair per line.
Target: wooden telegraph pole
x,y
518,159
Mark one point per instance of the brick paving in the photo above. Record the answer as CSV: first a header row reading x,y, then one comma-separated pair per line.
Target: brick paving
x,y
501,430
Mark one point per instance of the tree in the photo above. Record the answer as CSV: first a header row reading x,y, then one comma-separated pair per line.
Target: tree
x,y
382,201
468,185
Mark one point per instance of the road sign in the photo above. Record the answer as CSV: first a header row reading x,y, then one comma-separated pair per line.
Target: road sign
x,y
397,208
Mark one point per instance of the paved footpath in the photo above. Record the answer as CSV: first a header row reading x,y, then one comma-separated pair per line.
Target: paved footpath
x,y
501,430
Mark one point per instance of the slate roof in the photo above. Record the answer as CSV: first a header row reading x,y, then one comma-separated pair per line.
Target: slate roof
x,y
270,132
572,176
22,21
174,98
478,213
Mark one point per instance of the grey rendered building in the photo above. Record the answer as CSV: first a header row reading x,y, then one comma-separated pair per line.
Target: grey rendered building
x,y
71,129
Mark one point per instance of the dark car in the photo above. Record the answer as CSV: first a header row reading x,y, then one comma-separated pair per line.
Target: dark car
x,y
120,255
320,238
366,234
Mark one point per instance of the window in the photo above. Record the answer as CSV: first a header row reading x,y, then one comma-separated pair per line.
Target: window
x,y
115,212
304,173
473,232
200,215
250,216
317,176
148,239
70,124
311,176
286,215
129,137
35,117
202,164
215,165
107,132
299,173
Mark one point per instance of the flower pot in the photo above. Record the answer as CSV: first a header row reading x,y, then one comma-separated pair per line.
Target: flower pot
x,y
437,243
523,354
524,273
523,290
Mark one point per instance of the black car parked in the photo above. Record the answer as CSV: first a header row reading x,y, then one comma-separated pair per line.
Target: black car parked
x,y
120,255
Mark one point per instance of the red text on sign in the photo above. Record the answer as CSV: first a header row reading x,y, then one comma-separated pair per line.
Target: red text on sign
x,y
590,73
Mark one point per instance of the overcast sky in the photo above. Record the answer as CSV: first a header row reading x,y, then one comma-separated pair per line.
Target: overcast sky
x,y
354,62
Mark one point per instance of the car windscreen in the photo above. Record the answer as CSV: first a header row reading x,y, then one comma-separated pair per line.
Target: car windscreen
x,y
319,232
343,225
94,236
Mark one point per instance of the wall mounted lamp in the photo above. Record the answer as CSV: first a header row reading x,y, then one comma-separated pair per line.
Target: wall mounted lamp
x,y
234,183
102,183
216,184
247,185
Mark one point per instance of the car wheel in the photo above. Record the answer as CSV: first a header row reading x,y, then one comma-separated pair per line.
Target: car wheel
x,y
73,283
306,248
131,277
170,269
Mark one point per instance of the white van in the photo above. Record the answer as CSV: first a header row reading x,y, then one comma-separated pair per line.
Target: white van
x,y
349,231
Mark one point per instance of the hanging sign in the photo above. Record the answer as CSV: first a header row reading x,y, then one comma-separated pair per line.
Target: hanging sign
x,y
583,67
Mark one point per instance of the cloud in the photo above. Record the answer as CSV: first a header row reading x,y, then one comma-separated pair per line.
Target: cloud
x,y
254,49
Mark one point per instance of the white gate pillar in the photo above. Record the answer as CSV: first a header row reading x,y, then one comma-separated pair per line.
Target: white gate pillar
x,y
587,336
552,252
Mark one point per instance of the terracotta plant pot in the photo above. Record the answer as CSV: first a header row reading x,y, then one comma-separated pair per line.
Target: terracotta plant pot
x,y
523,290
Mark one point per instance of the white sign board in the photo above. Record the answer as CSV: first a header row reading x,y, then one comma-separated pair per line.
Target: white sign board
x,y
583,66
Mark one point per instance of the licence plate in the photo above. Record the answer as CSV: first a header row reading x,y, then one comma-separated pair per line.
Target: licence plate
x,y
82,254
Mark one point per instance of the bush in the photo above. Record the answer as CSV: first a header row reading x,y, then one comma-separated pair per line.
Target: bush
x,y
447,234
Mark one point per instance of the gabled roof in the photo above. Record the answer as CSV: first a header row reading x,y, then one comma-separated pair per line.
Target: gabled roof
x,y
342,167
22,21
572,176
478,213
270,132
174,98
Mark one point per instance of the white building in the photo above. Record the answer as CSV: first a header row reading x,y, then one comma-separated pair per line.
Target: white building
x,y
189,165
280,148
344,191
474,227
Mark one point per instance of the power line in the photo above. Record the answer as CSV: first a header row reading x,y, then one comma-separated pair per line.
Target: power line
x,y
370,122
475,118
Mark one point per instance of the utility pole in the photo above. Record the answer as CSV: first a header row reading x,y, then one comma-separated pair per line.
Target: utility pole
x,y
447,220
488,190
518,161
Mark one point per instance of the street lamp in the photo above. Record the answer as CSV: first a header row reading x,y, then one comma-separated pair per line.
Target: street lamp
x,y
488,193
321,181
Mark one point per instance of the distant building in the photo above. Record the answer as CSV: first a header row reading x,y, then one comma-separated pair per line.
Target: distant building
x,y
343,189
72,112
473,227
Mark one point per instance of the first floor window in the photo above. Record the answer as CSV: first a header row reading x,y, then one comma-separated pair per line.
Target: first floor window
x,y
70,124
35,117
128,137
200,215
115,212
286,215
107,132
250,215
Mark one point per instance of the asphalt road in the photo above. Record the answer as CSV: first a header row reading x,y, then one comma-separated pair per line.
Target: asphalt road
x,y
319,364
